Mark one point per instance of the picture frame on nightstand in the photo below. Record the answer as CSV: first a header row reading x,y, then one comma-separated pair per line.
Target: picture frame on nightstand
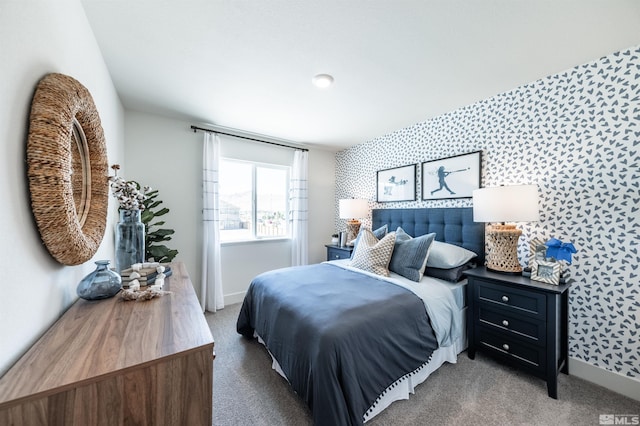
x,y
537,251
545,271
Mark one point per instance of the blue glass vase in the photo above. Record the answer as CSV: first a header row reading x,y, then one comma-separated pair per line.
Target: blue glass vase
x,y
129,240
100,284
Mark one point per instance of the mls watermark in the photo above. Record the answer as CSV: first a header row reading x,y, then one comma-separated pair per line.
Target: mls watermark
x,y
619,419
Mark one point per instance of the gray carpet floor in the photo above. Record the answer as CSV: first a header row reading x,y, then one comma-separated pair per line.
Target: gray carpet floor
x,y
247,391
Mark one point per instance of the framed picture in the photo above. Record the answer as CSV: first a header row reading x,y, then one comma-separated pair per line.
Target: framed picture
x,y
537,251
546,272
451,177
397,184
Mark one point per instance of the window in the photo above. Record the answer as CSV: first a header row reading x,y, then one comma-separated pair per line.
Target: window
x,y
254,200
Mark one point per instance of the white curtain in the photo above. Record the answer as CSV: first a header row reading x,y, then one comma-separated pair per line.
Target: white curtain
x,y
211,296
298,209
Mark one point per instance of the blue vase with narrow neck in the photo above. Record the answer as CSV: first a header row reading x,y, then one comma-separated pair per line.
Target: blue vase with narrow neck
x,y
99,284
129,240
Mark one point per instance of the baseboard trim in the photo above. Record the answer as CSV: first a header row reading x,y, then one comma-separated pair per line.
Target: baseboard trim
x,y
611,380
233,298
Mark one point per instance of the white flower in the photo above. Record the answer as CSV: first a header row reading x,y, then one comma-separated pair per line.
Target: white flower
x,y
128,193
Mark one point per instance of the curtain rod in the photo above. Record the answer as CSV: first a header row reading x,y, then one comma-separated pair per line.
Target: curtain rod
x,y
196,128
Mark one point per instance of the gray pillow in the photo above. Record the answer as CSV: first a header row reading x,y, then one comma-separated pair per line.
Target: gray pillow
x,y
452,274
410,254
447,256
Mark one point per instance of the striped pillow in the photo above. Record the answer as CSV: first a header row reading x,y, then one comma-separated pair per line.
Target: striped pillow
x,y
410,254
373,255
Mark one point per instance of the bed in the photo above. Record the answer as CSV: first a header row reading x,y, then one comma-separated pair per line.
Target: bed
x,y
350,342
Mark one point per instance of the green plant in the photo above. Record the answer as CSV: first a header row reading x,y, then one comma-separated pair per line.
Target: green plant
x,y
154,235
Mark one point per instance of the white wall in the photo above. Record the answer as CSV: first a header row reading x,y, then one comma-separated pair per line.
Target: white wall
x,y
167,155
37,38
322,184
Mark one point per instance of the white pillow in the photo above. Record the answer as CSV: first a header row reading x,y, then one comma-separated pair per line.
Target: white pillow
x,y
446,256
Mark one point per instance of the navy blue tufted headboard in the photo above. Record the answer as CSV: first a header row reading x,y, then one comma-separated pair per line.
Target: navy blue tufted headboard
x,y
452,225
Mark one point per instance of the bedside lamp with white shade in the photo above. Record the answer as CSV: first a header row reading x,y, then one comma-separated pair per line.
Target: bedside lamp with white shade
x,y
353,209
505,204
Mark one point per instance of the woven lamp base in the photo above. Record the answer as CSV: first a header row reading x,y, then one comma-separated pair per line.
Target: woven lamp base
x,y
502,250
353,227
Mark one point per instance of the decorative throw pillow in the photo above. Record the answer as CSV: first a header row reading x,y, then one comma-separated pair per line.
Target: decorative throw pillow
x,y
446,256
410,254
373,255
379,233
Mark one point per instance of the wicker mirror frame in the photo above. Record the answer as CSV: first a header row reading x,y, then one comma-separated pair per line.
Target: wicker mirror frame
x,y
67,167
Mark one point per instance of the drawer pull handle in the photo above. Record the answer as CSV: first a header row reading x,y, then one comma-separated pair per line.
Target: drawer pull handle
x,y
505,323
505,347
505,299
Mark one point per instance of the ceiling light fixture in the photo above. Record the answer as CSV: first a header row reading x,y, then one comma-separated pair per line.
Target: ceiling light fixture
x,y
322,81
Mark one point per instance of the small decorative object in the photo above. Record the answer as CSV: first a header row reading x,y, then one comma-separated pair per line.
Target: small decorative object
x,y
141,295
353,209
335,239
342,240
129,239
452,177
537,251
559,250
546,272
152,274
505,205
99,284
129,242
144,274
397,184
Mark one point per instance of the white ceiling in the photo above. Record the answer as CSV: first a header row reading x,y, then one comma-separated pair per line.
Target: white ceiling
x,y
248,65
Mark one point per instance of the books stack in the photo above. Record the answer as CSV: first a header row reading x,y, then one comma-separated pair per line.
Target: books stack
x,y
145,276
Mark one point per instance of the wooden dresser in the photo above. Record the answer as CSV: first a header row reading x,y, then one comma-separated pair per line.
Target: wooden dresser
x,y
112,362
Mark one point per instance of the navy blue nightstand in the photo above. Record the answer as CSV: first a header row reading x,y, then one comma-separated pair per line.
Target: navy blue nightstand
x,y
519,321
335,252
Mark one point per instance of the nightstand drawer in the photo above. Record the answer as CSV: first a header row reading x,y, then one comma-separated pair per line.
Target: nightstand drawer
x,y
523,301
335,254
532,356
503,321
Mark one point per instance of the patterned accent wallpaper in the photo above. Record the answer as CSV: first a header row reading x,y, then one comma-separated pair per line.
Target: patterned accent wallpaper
x,y
577,135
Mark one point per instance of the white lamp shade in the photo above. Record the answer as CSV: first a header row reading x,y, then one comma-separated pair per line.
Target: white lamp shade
x,y
353,208
513,203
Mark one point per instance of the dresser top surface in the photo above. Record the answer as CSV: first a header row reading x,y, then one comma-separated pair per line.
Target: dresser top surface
x,y
96,338
515,280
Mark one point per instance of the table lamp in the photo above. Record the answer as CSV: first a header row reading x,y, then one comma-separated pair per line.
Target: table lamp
x,y
353,209
505,204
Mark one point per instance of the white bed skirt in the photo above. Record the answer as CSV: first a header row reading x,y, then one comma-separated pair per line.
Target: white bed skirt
x,y
401,388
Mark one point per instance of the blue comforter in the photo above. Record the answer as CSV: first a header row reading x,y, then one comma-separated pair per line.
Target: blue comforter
x,y
340,337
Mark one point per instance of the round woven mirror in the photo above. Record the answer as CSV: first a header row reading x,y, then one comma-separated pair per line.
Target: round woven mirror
x,y
80,172
67,167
